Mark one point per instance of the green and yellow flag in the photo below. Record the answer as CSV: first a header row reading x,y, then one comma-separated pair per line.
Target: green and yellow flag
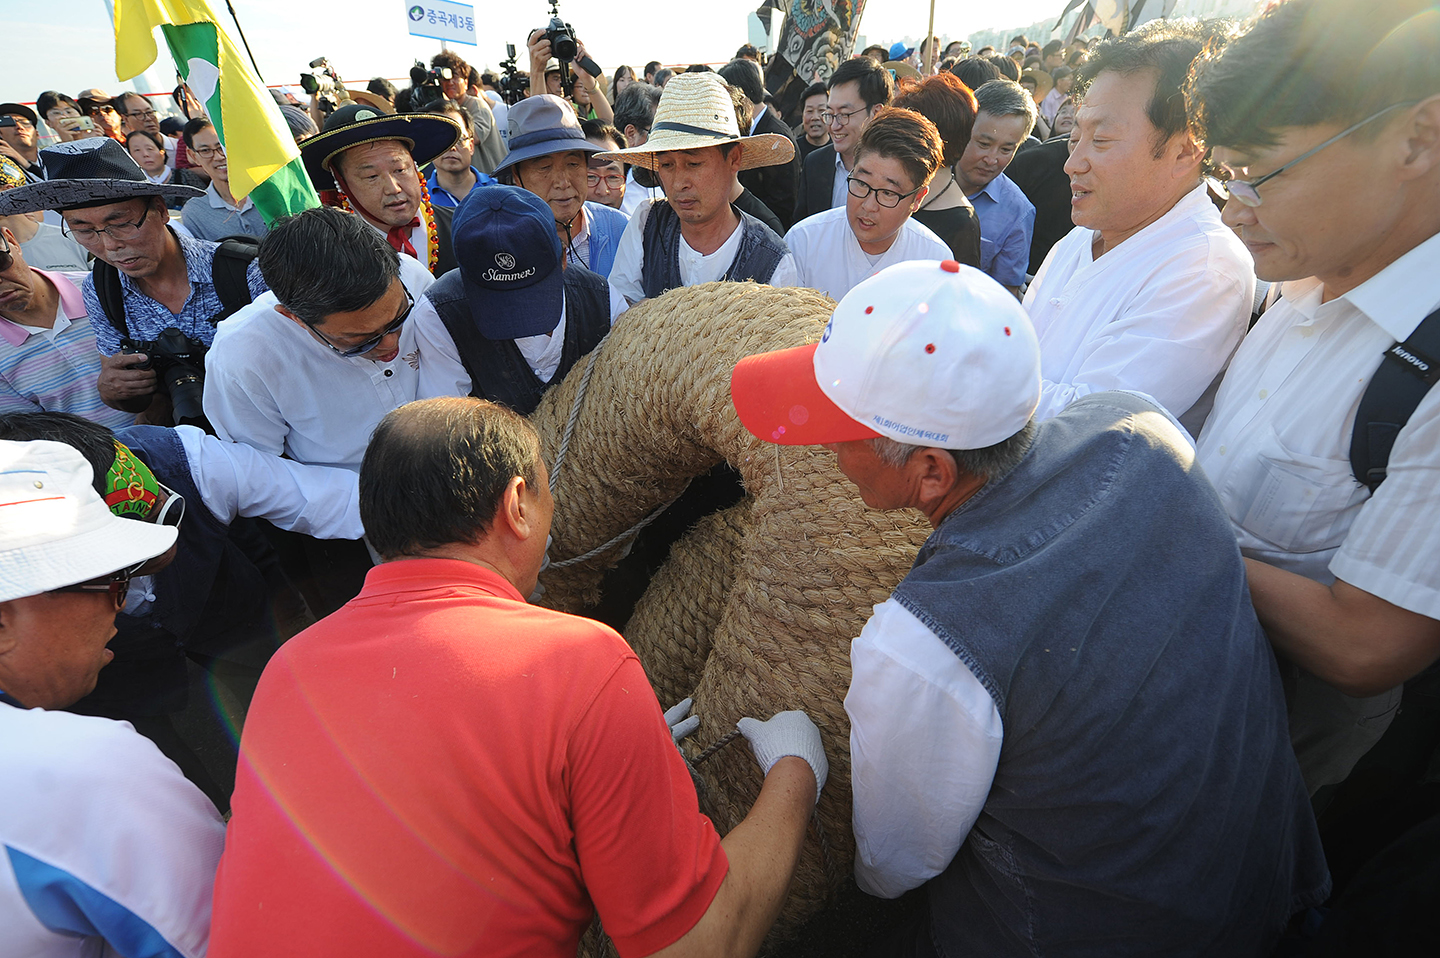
x,y
263,159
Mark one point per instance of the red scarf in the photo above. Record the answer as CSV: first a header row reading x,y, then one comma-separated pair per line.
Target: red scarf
x,y
399,237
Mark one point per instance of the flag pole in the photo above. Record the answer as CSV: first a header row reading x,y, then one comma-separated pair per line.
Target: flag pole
x,y
931,43
241,30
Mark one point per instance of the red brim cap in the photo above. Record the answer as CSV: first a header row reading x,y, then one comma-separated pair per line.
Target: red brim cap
x,y
779,401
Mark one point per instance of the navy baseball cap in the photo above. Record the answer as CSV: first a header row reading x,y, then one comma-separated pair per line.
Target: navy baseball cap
x,y
509,257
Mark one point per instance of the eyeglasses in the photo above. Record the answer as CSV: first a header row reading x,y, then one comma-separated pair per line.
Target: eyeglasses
x,y
19,122
208,151
613,181
146,113
835,118
373,341
119,231
116,584
886,198
1247,191
102,108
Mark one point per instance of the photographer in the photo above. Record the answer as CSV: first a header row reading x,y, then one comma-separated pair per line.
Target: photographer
x,y
489,150
154,278
543,63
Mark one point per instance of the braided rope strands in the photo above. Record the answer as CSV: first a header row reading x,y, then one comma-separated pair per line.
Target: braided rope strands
x,y
810,563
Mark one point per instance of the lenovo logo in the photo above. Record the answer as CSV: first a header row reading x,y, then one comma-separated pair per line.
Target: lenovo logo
x,y
1399,352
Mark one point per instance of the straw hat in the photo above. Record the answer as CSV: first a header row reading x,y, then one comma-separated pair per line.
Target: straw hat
x,y
695,112
1043,83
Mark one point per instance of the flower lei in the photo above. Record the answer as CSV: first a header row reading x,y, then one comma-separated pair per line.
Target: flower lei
x,y
432,234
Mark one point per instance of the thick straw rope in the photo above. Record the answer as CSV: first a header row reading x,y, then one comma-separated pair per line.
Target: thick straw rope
x,y
810,562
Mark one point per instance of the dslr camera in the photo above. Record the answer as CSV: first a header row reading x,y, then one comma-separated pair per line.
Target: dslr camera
x,y
564,48
513,83
425,86
179,364
322,83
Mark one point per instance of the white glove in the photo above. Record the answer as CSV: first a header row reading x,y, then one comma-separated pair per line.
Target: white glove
x,y
680,726
787,734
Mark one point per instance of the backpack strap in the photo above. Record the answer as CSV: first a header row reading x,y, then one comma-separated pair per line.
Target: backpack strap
x,y
1406,373
112,297
228,271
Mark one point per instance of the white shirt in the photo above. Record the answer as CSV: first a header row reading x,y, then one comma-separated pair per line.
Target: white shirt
x,y
1159,314
829,257
925,742
271,384
840,188
1277,445
579,247
443,374
637,195
419,238
626,276
90,807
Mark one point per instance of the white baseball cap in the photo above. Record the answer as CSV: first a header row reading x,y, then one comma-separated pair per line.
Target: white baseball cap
x,y
926,352
55,530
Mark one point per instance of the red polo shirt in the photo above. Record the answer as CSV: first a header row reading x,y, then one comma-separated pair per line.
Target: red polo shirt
x,y
441,769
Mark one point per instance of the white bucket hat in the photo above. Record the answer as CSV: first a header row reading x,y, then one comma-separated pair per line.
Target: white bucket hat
x,y
695,112
55,530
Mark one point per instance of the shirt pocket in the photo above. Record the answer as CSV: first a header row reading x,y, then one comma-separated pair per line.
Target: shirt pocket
x,y
1301,503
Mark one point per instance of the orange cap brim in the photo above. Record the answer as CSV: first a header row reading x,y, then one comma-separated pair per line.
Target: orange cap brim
x,y
779,401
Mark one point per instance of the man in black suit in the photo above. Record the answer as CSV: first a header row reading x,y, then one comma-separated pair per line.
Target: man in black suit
x,y
857,89
1039,171
774,186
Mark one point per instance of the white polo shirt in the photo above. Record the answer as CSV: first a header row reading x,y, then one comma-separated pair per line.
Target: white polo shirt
x,y
270,384
829,257
1277,444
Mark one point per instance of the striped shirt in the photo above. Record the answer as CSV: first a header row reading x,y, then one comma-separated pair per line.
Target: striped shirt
x,y
147,318
55,369
1277,445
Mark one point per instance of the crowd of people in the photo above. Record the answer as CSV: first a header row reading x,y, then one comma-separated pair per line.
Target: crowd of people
x,y
1145,327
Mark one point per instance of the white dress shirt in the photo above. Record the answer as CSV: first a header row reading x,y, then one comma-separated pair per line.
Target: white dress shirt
x,y
271,384
637,195
626,276
829,257
1160,314
1277,445
925,742
443,374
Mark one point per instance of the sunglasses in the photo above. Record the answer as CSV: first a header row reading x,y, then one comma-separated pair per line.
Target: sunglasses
x,y
373,341
117,584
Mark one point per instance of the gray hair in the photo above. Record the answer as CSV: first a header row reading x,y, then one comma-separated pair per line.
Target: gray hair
x,y
988,463
635,106
1006,98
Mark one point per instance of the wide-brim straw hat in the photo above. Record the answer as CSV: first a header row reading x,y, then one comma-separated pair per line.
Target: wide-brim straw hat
x,y
696,112
87,172
425,135
1043,82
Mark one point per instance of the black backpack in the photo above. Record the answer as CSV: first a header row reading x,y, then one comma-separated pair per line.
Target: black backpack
x,y
1405,375
228,267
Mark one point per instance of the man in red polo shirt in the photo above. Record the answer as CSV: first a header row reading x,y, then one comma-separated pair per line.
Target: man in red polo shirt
x,y
441,769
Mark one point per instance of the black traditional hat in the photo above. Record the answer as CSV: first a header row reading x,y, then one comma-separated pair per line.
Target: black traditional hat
x,y
87,173
425,135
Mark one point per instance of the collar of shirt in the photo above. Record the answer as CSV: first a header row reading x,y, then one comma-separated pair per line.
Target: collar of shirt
x,y
542,352
72,305
162,179
697,267
755,121
402,576
1402,294
419,236
218,202
1187,207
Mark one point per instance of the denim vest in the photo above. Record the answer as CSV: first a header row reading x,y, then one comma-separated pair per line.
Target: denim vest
x,y
210,597
759,253
498,371
1147,801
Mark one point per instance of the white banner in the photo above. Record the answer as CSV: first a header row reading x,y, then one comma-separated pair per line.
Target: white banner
x,y
441,20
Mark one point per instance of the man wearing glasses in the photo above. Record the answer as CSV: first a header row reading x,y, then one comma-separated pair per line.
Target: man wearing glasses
x,y
1342,567
857,89
166,279
1149,292
139,117
216,215
310,368
78,795
19,141
840,248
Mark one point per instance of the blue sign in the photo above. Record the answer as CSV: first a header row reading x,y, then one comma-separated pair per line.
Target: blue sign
x,y
441,20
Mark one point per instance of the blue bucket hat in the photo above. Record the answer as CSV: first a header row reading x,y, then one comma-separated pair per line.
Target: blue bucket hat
x,y
899,51
510,261
542,125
